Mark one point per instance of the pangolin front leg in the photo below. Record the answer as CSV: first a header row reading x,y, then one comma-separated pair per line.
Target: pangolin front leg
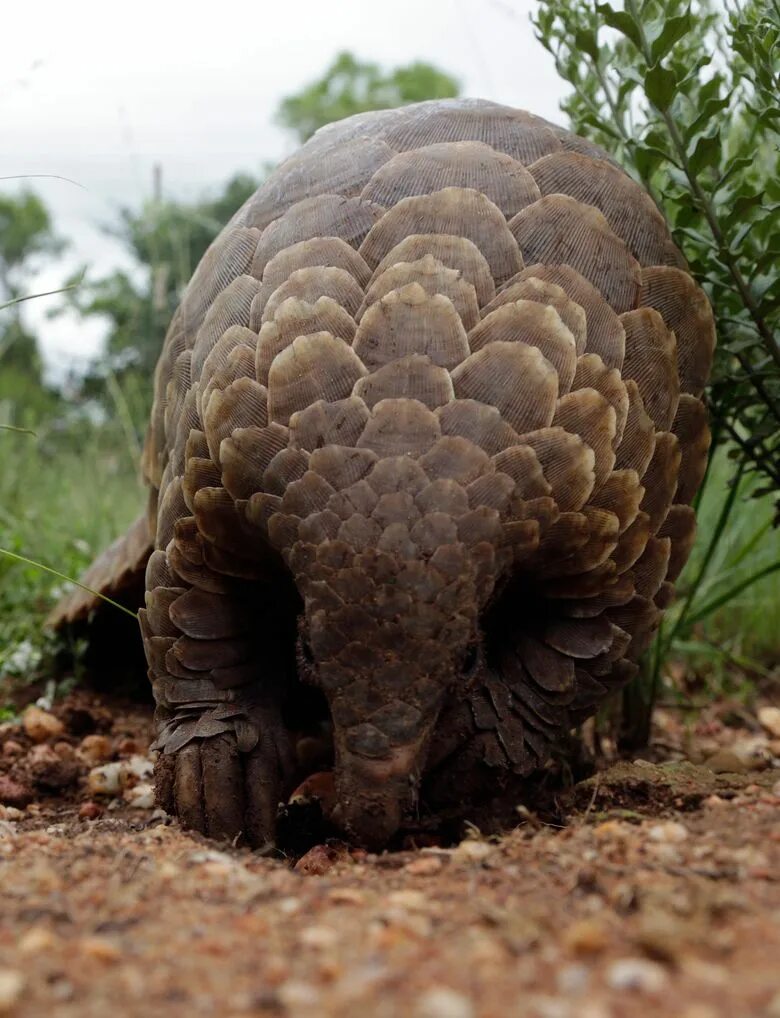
x,y
226,759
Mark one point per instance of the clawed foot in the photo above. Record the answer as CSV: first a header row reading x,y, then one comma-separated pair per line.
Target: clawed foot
x,y
225,794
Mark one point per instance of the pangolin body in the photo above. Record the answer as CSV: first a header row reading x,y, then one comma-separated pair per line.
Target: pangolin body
x,y
427,426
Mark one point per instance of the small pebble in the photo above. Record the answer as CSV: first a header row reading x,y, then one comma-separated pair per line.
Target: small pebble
x,y
474,850
100,949
296,994
137,768
572,978
669,832
414,901
11,986
14,793
90,811
769,718
586,936
636,974
37,940
95,749
424,866
105,780
318,937
40,725
50,772
346,896
140,796
725,762
442,1002
317,861
715,802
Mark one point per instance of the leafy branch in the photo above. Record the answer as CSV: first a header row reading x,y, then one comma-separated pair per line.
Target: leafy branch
x,y
687,101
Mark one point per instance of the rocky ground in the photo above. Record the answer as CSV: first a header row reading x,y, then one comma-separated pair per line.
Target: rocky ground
x,y
655,892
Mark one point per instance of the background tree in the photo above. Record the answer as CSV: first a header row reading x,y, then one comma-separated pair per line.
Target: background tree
x,y
26,237
166,239
351,86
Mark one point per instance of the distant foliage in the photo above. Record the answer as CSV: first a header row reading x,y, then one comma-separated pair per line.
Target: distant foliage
x,y
353,86
167,239
26,236
687,98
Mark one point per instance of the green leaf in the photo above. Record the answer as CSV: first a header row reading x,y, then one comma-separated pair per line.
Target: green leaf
x,y
661,86
706,152
672,32
587,42
709,109
622,21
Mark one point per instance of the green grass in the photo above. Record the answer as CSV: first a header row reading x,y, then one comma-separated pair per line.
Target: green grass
x,y
748,625
65,493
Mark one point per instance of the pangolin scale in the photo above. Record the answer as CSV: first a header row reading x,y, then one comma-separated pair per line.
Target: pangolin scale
x,y
427,425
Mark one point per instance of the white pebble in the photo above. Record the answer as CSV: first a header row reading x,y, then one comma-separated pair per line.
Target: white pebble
x,y
105,780
140,796
573,978
769,718
636,974
670,831
137,766
11,986
442,1002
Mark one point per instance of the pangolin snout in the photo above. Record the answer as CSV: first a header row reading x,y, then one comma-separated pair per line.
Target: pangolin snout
x,y
375,795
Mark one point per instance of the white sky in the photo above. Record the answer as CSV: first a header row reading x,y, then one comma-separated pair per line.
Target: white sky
x,y
99,92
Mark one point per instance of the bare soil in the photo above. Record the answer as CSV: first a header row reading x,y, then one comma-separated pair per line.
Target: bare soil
x,y
655,892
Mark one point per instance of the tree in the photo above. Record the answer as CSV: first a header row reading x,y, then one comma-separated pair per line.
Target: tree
x,y
26,235
351,86
166,239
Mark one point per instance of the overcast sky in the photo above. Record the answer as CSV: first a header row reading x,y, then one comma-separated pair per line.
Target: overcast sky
x,y
101,92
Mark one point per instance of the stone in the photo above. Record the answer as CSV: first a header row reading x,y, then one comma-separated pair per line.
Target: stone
x,y
769,719
40,725
105,780
14,793
424,866
586,936
11,986
442,1002
725,762
636,974
140,796
668,832
95,749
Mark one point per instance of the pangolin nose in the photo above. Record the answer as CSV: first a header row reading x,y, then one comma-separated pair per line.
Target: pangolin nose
x,y
374,795
369,822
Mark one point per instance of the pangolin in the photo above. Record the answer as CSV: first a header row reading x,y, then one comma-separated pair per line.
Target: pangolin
x,y
427,426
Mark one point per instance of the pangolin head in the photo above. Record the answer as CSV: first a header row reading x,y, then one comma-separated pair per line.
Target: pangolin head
x,y
387,633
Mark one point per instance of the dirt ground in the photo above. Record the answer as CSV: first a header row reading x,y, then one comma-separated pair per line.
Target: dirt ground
x,y
657,893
